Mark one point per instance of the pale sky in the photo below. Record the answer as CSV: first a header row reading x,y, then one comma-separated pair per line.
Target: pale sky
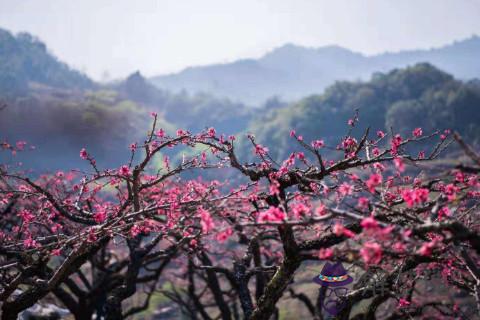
x,y
162,36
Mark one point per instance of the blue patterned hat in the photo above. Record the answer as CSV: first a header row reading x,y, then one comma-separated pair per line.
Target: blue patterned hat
x,y
333,275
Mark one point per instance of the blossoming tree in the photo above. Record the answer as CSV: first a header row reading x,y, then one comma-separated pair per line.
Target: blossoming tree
x,y
92,240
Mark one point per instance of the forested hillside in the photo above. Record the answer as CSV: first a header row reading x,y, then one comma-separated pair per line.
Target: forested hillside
x,y
24,60
402,99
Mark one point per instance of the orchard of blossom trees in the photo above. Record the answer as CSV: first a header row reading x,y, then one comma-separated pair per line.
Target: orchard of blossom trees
x,y
102,242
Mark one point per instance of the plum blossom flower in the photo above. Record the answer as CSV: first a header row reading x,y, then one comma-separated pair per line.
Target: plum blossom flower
x,y
395,144
414,196
371,253
181,132
417,132
317,144
340,230
224,235
56,252
100,216
124,171
21,145
160,133
260,150
398,162
211,132
321,210
369,223
363,203
402,302
427,248
299,209
29,243
206,220
374,181
345,189
273,214
443,212
83,154
325,253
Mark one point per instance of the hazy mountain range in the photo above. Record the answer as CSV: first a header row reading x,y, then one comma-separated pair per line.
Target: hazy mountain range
x,y
60,110
292,72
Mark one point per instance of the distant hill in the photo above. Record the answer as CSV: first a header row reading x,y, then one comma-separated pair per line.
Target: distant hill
x,y
293,72
194,112
24,60
402,99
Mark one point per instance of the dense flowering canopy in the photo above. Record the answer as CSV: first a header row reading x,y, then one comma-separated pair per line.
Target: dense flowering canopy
x,y
371,205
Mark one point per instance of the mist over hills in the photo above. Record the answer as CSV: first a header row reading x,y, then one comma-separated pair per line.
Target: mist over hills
x,y
60,110
292,72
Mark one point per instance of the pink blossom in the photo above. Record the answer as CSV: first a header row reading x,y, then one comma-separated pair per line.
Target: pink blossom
x,y
395,144
30,243
399,247
181,132
443,212
56,252
363,203
398,162
211,132
100,217
27,216
206,220
83,154
427,248
380,134
371,253
274,187
292,133
351,122
340,230
124,171
321,210
317,144
459,177
260,150
224,235
403,303
160,133
299,209
345,189
417,132
21,145
369,223
325,253
415,196
273,214
92,237
374,181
